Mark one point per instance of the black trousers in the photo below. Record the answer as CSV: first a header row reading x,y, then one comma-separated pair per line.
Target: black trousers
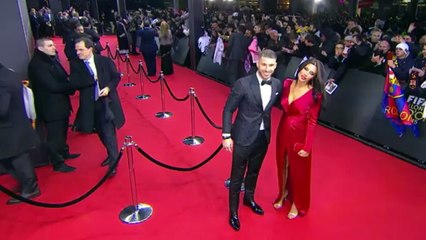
x,y
105,129
151,65
21,168
244,158
55,134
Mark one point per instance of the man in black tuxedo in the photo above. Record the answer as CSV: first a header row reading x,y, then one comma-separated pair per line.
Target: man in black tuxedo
x,y
51,88
100,107
249,136
17,137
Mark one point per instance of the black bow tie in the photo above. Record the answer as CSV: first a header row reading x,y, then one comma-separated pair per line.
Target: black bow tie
x,y
266,82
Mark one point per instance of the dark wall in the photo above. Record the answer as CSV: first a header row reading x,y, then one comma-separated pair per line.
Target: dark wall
x,y
16,46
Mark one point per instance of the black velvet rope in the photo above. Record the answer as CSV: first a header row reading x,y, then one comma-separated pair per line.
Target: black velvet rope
x,y
117,53
105,48
171,93
69,203
205,114
178,168
147,77
113,57
133,69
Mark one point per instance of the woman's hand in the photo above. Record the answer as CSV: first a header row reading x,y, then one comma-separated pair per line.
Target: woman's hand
x,y
303,153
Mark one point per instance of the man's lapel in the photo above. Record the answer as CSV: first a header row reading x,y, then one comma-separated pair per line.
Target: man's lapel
x,y
274,93
255,89
99,67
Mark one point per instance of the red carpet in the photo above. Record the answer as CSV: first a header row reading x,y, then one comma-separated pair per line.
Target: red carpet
x,y
357,191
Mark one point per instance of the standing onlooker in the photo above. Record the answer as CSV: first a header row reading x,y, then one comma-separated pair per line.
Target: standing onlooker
x,y
122,38
51,89
35,25
148,47
401,64
166,41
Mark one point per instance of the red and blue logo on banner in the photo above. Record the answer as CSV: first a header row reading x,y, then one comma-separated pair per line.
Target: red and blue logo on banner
x,y
395,107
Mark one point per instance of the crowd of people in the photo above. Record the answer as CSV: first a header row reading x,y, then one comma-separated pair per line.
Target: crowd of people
x,y
337,40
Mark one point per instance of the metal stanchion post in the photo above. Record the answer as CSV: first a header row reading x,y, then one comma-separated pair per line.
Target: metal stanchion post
x,y
142,96
117,54
128,84
163,113
137,212
192,140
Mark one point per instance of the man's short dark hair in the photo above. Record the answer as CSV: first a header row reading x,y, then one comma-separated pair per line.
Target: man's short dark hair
x,y
87,42
40,42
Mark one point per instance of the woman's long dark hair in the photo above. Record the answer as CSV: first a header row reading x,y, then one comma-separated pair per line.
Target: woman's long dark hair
x,y
317,81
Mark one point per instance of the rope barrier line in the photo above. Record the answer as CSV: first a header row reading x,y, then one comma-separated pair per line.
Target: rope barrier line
x,y
146,155
133,69
147,77
69,203
110,53
117,52
171,93
205,114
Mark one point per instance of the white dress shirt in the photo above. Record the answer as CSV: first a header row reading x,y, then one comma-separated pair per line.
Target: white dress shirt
x,y
265,92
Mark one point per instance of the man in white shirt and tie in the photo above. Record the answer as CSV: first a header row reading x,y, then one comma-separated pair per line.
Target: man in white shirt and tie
x,y
100,108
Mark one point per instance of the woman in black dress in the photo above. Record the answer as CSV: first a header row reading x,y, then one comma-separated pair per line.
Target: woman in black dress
x,y
166,41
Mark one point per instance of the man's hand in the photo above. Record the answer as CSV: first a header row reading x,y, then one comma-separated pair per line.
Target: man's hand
x,y
104,92
228,144
391,64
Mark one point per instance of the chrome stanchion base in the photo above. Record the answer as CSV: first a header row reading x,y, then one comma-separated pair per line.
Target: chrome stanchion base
x,y
142,97
163,114
195,140
129,84
136,214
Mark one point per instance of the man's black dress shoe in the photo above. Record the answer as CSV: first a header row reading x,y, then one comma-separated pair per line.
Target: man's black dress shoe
x,y
253,206
105,162
63,167
113,173
30,195
234,222
71,155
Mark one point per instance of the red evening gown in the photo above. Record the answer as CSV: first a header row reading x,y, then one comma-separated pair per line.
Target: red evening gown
x,y
296,132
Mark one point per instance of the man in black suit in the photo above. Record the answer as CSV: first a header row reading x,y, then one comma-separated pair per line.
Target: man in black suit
x,y
148,47
249,136
51,88
16,135
100,106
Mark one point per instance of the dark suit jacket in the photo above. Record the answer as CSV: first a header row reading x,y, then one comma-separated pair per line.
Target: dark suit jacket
x,y
246,97
16,134
146,37
50,86
107,76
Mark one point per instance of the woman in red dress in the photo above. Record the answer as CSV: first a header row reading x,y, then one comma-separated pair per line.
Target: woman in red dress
x,y
301,102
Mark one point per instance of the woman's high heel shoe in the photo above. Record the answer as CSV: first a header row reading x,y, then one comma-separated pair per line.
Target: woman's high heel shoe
x,y
279,202
293,212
